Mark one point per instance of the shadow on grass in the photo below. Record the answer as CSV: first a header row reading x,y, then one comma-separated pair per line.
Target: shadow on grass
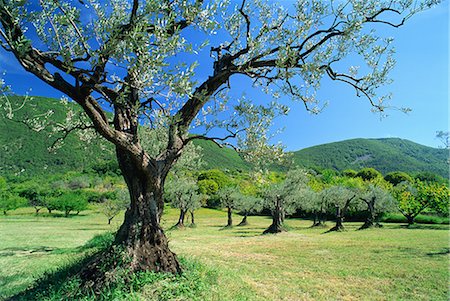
x,y
65,283
55,282
422,227
25,251
444,251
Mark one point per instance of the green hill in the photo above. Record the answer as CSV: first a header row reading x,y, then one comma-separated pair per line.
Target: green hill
x,y
25,151
385,155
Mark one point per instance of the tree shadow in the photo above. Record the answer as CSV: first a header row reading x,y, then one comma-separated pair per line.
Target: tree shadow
x,y
444,251
424,227
56,280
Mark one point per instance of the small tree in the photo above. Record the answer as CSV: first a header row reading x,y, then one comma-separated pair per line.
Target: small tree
x,y
183,194
248,204
114,205
339,199
9,201
68,202
284,198
378,200
413,198
34,194
229,197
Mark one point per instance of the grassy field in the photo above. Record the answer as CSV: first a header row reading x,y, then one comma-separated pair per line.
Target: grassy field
x,y
392,263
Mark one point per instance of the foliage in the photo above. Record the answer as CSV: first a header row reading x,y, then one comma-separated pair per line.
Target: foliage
x,y
33,192
229,196
350,173
208,186
396,177
10,202
183,193
413,198
368,174
68,202
377,200
216,175
426,176
292,192
248,204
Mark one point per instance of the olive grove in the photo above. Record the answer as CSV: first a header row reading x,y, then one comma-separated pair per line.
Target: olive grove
x,y
138,60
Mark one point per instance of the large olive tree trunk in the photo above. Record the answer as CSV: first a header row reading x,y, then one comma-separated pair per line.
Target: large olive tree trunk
x,y
141,233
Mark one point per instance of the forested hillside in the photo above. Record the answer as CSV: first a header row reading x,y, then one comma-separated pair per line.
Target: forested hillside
x,y
385,155
26,152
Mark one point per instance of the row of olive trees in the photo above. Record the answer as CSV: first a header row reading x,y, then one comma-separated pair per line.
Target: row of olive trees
x,y
326,195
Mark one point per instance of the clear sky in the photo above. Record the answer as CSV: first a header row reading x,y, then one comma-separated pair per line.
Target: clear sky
x,y
420,82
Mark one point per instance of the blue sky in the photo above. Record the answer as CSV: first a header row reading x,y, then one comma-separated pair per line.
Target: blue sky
x,y
420,83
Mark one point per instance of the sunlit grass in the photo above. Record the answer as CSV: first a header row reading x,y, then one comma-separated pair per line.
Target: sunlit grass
x,y
392,263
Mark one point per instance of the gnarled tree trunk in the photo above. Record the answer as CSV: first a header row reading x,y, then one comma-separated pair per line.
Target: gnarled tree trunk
x,y
144,244
277,218
370,221
141,232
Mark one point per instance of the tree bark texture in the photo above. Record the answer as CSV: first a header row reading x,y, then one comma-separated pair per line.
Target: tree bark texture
x,y
141,232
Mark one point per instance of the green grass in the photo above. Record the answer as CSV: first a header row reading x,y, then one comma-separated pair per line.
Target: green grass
x,y
392,263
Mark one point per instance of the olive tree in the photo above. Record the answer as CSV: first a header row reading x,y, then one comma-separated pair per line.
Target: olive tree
x,y
114,204
339,199
137,59
229,197
377,200
248,204
285,198
183,193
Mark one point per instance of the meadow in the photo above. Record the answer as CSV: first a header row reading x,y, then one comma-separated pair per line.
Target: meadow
x,y
238,263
